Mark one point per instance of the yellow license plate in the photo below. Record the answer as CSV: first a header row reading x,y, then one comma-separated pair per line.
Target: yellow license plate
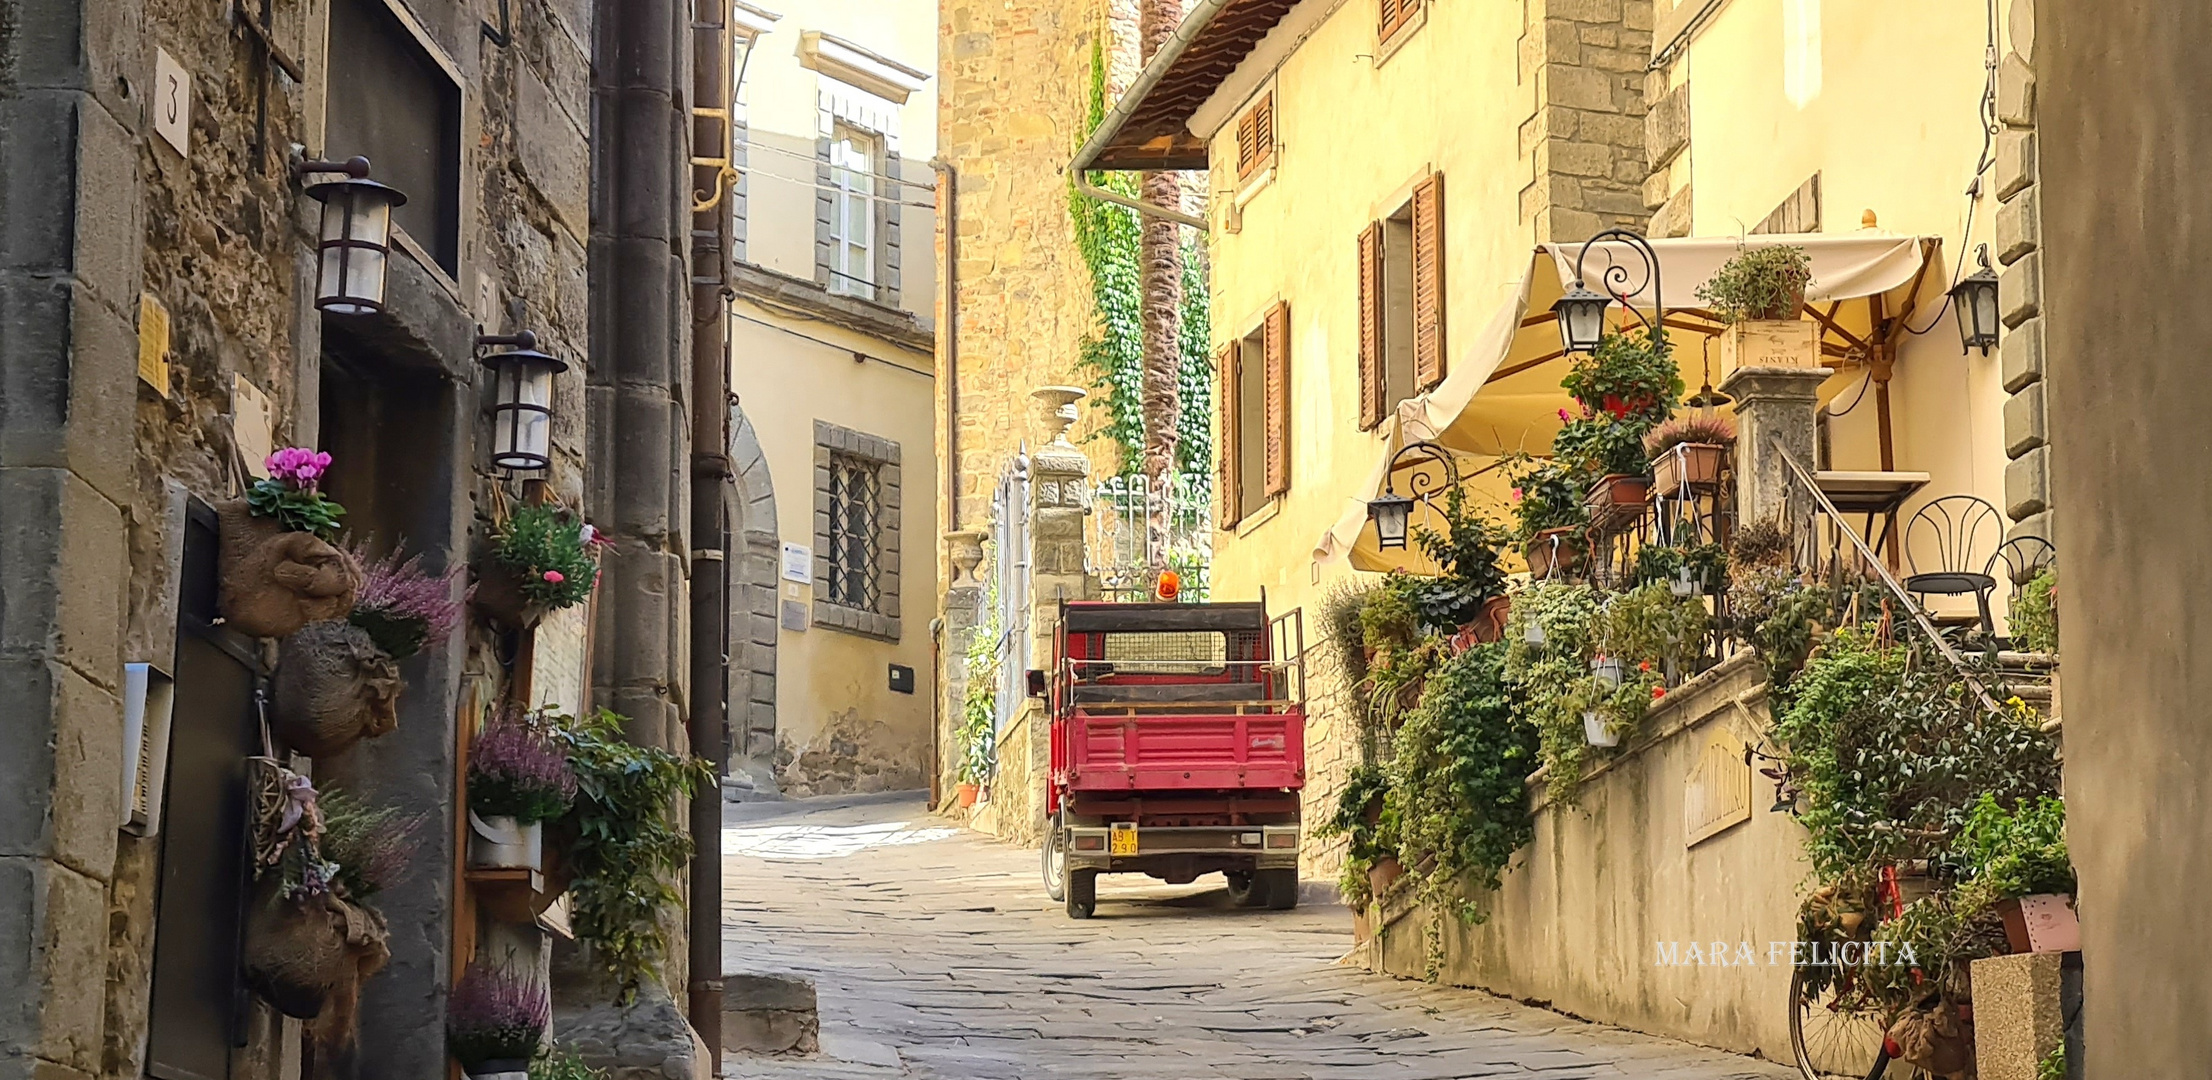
x,y
1121,841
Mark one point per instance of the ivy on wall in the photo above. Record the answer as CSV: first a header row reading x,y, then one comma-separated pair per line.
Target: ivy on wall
x,y
1112,354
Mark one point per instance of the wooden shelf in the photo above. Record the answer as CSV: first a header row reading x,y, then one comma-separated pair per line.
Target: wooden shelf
x,y
512,894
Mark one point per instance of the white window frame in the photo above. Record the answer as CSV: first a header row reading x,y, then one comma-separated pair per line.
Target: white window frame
x,y
856,156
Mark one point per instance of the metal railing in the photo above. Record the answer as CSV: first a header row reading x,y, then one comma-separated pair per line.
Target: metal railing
x,y
1119,541
1011,586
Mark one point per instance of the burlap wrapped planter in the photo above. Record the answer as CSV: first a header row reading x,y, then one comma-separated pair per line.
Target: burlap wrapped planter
x,y
499,596
333,687
308,957
270,581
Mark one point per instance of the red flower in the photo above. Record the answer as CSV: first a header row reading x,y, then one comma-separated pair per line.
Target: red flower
x,y
1658,692
1644,665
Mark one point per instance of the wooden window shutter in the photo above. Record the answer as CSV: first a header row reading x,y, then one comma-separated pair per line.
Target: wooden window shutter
x,y
1228,448
1277,338
1428,282
1374,389
1256,136
1397,13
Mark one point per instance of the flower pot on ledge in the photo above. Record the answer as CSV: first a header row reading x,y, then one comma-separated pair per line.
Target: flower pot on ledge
x,y
503,842
1695,466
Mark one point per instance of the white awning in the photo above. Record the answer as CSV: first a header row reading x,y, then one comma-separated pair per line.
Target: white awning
x,y
1502,392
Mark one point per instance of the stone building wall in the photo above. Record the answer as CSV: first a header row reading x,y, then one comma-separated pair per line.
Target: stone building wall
x,y
2020,285
1584,139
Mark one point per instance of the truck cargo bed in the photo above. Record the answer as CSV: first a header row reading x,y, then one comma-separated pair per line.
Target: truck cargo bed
x,y
1131,749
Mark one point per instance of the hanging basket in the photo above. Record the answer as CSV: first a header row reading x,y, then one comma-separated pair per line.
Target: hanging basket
x,y
333,688
500,597
1553,551
1695,466
270,581
308,957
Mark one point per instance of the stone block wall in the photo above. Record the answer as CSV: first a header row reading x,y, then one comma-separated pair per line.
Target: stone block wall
x,y
1584,140
2020,286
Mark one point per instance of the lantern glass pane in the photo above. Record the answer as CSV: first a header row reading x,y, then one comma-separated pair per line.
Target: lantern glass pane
x,y
1390,522
351,280
370,218
334,217
1985,313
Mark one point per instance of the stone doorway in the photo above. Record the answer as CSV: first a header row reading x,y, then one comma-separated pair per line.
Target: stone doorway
x,y
753,621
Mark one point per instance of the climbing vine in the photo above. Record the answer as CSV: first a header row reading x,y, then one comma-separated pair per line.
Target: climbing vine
x,y
1112,354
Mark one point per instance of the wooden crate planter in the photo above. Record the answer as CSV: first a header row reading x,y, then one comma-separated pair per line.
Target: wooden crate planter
x,y
1785,343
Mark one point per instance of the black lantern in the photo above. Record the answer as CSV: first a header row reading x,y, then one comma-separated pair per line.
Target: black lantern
x,y
1581,315
356,238
522,400
1390,511
1581,312
1975,301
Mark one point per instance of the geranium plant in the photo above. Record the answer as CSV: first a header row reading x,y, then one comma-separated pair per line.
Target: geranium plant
x,y
1759,283
496,1015
1628,376
401,608
554,557
518,769
291,493
1547,494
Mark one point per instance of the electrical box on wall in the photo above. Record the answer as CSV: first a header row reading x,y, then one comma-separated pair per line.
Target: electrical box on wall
x,y
902,678
148,700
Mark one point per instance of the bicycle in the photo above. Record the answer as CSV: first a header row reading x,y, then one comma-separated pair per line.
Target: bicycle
x,y
1825,1040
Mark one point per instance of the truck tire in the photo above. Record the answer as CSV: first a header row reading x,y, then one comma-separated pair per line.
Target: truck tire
x,y
1281,887
1082,890
1246,889
1055,861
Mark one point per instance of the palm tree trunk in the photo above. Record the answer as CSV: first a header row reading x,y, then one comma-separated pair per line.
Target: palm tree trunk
x,y
1160,279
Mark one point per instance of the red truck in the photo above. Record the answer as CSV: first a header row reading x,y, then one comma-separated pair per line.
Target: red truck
x,y
1178,749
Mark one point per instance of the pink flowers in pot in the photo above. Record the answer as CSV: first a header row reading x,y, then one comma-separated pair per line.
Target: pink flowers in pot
x,y
289,494
553,577
300,465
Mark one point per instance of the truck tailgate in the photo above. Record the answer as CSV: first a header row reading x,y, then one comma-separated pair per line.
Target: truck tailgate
x,y
1184,751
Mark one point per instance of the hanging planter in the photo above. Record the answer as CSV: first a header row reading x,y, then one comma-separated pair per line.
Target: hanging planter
x,y
1554,551
304,955
1617,500
495,1022
333,688
518,779
401,608
541,560
276,570
1597,732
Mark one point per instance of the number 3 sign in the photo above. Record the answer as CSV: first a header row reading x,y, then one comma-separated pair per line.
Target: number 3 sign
x,y
172,105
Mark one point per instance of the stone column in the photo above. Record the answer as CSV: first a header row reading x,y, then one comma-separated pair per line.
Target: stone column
x,y
1059,500
2018,1018
965,596
1775,409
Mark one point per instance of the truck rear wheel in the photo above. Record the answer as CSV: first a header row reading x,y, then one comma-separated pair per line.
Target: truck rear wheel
x,y
1246,889
1082,893
1280,886
1055,859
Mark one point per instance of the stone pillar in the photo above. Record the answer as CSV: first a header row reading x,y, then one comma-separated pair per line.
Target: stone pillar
x,y
1059,500
1583,143
2017,1016
965,597
2020,287
1775,409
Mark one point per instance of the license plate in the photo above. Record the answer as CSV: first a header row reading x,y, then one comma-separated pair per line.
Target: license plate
x,y
1121,840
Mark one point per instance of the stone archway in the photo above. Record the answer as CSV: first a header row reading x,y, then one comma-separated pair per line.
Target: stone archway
x,y
752,610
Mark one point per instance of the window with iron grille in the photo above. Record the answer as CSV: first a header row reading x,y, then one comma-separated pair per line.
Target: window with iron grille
x,y
856,532
856,545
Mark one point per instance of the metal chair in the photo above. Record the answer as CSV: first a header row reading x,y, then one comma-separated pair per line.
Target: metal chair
x,y
2017,562
1949,531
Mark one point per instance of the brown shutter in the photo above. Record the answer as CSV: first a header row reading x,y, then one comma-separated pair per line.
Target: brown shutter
x,y
1278,399
1228,448
1374,389
1256,136
1428,282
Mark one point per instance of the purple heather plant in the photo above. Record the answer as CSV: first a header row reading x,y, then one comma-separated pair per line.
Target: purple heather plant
x,y
495,1014
517,770
372,847
403,609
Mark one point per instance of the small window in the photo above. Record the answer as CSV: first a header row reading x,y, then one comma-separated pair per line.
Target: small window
x,y
1256,137
1251,448
1397,15
856,532
1397,305
855,157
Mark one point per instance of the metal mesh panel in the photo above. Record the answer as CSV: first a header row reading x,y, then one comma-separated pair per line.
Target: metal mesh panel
x,y
856,538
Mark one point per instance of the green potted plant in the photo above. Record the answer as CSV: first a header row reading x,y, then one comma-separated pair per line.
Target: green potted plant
x,y
1625,387
518,779
1688,453
542,559
276,566
1549,517
1760,284
495,1022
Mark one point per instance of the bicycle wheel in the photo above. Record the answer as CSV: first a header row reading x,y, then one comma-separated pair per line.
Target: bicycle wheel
x,y
1830,1043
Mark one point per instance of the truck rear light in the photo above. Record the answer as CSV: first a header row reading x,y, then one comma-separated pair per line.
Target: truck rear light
x,y
1093,842
1251,838
1282,840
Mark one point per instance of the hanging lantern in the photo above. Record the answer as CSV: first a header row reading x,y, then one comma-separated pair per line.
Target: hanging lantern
x,y
1581,315
522,400
356,237
1975,302
1390,511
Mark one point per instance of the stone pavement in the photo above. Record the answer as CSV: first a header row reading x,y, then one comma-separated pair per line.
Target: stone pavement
x,y
936,954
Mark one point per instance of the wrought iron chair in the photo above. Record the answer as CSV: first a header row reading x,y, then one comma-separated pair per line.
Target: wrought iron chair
x,y
1947,534
2018,561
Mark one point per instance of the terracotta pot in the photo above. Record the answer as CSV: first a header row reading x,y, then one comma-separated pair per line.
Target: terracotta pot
x,y
500,597
1692,465
1790,309
1489,626
967,794
1384,873
270,581
333,687
1559,549
1617,500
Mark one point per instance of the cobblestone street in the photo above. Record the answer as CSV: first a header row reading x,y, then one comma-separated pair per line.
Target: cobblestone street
x,y
936,954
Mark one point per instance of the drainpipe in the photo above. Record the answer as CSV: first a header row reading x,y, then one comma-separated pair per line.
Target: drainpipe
x,y
711,271
948,331
1195,22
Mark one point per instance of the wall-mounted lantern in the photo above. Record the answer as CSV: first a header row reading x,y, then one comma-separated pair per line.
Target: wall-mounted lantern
x,y
356,241
1392,512
522,399
1581,311
1975,299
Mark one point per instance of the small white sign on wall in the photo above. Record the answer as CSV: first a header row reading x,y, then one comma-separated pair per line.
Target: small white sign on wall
x,y
798,562
172,102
